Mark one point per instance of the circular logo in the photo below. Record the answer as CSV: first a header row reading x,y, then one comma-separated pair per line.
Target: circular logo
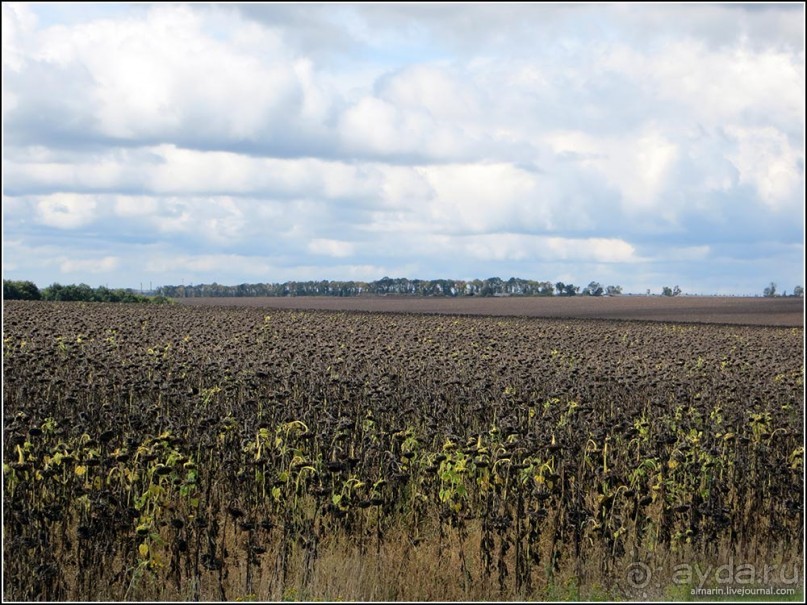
x,y
638,575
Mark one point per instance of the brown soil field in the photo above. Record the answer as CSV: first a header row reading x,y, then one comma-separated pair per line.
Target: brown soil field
x,y
173,453
788,312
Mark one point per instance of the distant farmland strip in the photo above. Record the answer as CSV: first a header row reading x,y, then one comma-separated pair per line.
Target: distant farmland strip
x,y
760,311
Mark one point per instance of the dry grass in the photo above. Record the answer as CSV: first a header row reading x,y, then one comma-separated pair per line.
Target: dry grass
x,y
451,570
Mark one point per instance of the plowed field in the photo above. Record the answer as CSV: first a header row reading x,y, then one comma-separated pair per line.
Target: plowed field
x,y
694,309
179,452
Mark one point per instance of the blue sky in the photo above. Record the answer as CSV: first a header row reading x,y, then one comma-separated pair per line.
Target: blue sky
x,y
643,145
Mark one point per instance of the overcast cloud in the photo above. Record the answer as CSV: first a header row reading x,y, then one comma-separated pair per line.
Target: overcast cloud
x,y
639,145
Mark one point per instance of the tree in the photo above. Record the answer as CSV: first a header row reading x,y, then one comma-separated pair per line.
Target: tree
x,y
613,290
667,291
20,290
545,288
495,285
770,290
560,287
53,292
798,291
593,289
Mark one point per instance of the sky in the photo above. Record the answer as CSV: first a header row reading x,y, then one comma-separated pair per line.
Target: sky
x,y
640,145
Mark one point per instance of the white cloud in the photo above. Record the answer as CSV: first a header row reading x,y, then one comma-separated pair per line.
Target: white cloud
x,y
164,75
405,186
716,86
519,247
331,247
486,197
766,160
595,249
638,165
228,223
171,173
19,23
377,127
127,206
434,90
372,124
107,264
66,210
206,264
279,140
218,220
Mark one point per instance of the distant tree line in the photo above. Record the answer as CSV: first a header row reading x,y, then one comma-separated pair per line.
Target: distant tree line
x,y
493,286
771,290
26,290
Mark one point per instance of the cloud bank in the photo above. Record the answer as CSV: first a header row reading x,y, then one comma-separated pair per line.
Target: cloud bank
x,y
644,146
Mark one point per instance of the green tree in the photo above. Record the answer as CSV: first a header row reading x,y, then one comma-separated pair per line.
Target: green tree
x,y
593,289
570,290
53,292
20,290
770,290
